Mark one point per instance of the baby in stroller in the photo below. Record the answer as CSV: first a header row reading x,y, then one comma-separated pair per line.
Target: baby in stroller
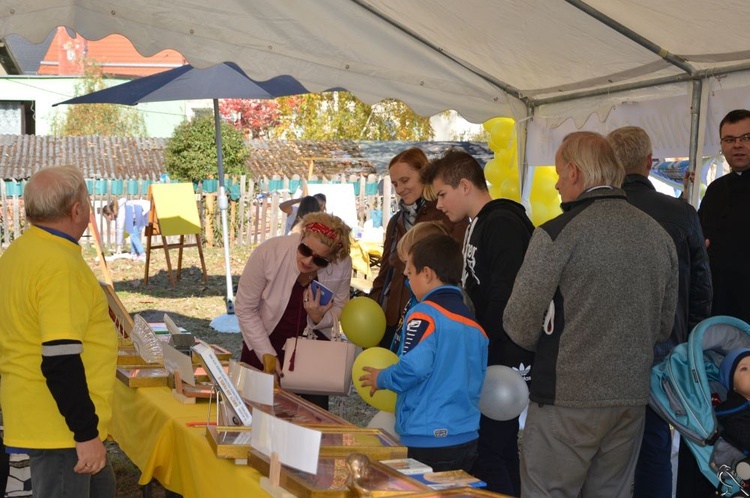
x,y
734,413
702,389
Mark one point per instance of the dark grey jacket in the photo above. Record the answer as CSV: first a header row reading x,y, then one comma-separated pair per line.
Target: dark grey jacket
x,y
681,222
611,272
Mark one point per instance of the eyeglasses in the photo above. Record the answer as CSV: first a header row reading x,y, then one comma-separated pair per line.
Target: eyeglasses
x,y
306,252
731,140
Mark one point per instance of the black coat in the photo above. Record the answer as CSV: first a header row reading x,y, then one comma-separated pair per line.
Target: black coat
x,y
681,222
725,217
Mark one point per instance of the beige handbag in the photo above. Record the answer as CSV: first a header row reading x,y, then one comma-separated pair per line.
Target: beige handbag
x,y
314,366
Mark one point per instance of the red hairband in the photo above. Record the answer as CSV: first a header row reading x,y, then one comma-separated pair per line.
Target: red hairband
x,y
322,229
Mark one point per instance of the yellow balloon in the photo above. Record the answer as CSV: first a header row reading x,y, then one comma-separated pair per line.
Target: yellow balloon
x,y
542,212
495,191
510,189
363,322
506,159
539,213
490,123
502,134
380,358
493,172
543,185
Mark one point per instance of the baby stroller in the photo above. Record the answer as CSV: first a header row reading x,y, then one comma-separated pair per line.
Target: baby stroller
x,y
682,387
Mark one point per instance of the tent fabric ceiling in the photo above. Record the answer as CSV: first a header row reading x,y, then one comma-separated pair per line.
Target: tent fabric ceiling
x,y
481,58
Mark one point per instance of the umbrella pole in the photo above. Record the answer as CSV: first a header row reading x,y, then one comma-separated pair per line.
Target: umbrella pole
x,y
227,322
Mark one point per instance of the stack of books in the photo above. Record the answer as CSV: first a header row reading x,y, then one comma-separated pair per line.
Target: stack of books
x,y
436,480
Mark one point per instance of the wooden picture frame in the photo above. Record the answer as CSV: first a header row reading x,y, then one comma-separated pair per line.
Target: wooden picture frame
x,y
330,480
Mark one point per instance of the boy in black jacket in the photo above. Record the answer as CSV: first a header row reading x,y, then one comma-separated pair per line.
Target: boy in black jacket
x,y
494,247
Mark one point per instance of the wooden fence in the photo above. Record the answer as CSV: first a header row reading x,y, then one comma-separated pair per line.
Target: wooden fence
x,y
253,214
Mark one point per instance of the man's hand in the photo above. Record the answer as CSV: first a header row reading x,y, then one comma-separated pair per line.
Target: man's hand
x,y
92,456
370,379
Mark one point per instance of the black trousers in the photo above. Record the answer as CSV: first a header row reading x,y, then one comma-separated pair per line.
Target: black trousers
x,y
458,457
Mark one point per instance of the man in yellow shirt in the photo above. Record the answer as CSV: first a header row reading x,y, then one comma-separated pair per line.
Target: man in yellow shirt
x,y
58,346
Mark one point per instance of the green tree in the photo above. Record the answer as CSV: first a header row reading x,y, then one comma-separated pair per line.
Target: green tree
x,y
97,119
342,116
191,151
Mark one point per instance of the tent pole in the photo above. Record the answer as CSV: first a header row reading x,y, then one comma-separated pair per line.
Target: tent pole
x,y
523,164
644,42
698,109
223,205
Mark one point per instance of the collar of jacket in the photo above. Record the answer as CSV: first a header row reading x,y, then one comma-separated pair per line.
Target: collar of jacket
x,y
595,194
637,182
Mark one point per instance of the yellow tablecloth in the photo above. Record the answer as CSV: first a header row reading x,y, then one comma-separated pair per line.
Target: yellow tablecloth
x,y
151,428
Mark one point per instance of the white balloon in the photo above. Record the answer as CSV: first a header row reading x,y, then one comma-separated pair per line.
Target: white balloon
x,y
504,393
386,421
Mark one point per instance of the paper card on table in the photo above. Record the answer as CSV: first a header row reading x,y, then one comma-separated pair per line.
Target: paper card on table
x,y
255,386
297,447
224,384
175,361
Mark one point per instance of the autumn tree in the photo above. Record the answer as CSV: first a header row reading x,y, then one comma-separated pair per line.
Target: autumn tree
x,y
191,151
326,116
340,115
97,119
256,118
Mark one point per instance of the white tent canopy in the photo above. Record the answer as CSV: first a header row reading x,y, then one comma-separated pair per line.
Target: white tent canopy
x,y
565,63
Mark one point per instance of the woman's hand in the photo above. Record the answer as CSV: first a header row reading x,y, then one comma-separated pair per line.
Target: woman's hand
x,y
311,302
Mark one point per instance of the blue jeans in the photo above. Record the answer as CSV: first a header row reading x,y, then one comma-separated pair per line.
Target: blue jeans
x,y
653,472
52,476
136,246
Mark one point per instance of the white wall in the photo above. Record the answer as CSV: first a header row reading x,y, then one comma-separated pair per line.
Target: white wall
x,y
161,118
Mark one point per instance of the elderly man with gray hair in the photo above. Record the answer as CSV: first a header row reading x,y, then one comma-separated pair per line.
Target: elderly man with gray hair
x,y
632,146
596,291
58,345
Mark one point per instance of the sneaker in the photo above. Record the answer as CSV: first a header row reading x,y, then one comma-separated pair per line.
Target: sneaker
x,y
141,258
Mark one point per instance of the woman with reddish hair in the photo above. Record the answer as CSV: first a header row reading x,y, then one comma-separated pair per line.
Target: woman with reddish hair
x,y
389,288
274,299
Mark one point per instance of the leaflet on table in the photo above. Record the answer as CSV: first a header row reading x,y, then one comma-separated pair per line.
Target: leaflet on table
x,y
216,371
160,328
407,466
449,479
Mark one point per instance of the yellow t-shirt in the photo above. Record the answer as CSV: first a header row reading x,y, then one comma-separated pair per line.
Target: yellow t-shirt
x,y
50,293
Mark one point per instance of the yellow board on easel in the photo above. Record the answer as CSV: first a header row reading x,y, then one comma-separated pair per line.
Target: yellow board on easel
x,y
176,208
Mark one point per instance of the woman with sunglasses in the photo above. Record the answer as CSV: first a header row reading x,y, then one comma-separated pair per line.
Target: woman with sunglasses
x,y
274,299
389,288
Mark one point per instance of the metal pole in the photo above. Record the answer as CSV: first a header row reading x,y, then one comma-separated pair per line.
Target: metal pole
x,y
223,205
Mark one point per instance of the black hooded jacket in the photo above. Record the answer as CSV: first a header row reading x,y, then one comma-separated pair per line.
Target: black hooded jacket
x,y
498,239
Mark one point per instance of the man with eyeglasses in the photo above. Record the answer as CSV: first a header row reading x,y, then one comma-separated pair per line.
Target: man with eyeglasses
x,y
725,217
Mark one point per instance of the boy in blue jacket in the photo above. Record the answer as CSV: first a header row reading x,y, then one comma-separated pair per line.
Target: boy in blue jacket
x,y
439,378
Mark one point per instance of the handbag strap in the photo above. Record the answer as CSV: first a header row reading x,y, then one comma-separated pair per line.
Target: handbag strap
x,y
294,355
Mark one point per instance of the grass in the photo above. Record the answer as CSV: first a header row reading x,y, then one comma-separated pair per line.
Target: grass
x,y
192,304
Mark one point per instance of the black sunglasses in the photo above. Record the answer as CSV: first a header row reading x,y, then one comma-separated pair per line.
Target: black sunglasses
x,y
306,252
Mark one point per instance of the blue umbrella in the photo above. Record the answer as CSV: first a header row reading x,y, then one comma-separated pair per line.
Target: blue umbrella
x,y
222,81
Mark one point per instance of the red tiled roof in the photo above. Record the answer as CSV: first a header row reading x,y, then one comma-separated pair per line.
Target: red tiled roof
x,y
97,157
114,53
287,158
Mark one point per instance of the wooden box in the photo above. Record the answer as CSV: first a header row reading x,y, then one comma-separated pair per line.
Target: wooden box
x,y
375,443
458,493
142,376
229,442
292,408
330,480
